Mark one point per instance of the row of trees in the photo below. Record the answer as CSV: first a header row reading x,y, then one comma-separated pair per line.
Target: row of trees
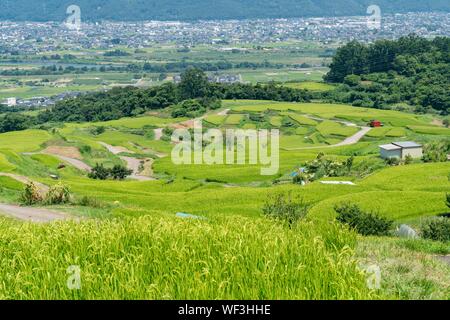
x,y
193,96
130,101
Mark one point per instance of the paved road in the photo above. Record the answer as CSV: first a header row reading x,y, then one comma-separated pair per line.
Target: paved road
x,y
355,138
33,214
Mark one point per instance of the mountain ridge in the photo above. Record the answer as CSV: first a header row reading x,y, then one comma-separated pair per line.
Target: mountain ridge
x,y
186,10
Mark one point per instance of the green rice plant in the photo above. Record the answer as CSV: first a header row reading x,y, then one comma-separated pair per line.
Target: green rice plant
x,y
396,133
301,131
303,120
276,121
430,130
172,258
24,141
234,119
5,165
215,119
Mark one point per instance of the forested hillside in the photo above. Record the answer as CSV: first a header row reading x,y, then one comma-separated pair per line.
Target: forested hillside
x,y
413,71
20,10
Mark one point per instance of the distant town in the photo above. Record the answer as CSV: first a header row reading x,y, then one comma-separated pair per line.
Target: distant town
x,y
34,37
46,45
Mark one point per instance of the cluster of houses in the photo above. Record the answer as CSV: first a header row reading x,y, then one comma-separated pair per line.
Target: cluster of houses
x,y
38,101
221,78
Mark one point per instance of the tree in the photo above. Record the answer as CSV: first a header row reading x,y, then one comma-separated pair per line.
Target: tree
x,y
194,84
119,172
15,122
349,59
99,172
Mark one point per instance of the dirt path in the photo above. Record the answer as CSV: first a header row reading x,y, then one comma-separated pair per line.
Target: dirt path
x,y
115,150
135,164
74,162
132,163
43,189
37,215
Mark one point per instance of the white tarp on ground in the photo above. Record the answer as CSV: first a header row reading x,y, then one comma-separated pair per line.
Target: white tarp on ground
x,y
349,183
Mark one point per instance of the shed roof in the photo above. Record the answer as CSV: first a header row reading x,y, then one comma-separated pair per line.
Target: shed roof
x,y
390,147
407,144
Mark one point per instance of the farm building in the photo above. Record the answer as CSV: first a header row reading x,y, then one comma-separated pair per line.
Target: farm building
x,y
401,150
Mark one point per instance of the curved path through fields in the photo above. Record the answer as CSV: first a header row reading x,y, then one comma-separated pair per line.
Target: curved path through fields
x,y
133,164
31,214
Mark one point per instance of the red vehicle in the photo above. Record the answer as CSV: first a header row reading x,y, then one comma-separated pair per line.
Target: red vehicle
x,y
376,124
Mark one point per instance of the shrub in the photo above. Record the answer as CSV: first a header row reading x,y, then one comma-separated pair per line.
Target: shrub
x,y
58,194
437,229
30,195
409,159
86,149
365,223
322,167
118,172
286,208
393,161
98,130
99,172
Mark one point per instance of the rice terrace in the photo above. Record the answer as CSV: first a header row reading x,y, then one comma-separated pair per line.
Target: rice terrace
x,y
95,205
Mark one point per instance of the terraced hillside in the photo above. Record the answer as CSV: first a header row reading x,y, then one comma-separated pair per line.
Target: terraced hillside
x,y
119,219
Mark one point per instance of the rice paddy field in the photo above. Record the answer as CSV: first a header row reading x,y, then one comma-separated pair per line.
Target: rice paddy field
x,y
129,243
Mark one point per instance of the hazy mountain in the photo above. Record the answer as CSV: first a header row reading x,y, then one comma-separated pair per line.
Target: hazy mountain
x,y
132,10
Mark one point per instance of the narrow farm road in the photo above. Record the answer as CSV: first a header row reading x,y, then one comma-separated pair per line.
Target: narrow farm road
x,y
74,162
354,138
33,214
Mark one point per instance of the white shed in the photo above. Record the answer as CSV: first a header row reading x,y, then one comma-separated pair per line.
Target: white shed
x,y
410,148
388,151
401,150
